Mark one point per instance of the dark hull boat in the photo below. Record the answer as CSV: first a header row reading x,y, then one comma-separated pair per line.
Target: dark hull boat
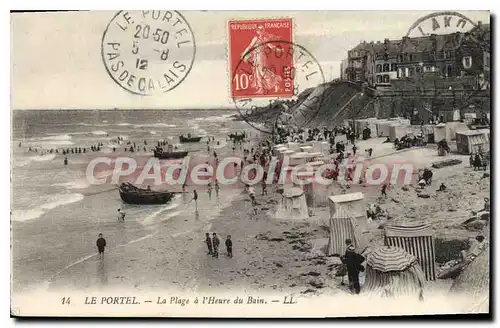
x,y
183,139
170,154
130,194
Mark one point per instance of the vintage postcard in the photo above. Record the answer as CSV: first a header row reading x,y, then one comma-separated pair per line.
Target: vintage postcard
x,y
272,164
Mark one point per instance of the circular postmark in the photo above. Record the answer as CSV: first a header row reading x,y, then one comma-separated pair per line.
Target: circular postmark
x,y
280,66
148,52
452,27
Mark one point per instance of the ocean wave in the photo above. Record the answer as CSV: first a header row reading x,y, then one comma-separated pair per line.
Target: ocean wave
x,y
221,118
77,184
99,133
52,202
123,124
40,158
155,125
152,132
58,137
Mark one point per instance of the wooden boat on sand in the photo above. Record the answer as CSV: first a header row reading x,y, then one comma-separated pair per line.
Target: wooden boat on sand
x,y
187,139
131,194
169,154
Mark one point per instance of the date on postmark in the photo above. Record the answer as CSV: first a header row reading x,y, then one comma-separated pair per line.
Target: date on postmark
x,y
148,52
255,48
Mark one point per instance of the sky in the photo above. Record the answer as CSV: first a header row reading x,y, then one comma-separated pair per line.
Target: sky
x,y
56,58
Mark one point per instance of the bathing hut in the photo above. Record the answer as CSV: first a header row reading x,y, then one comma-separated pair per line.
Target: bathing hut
x,y
453,127
343,226
417,240
383,128
353,204
474,281
285,153
304,181
306,149
278,150
298,159
311,157
293,146
293,205
441,132
471,141
393,272
428,133
398,131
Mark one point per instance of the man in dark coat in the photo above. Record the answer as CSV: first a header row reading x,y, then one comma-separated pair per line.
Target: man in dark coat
x,y
208,240
215,245
229,246
353,261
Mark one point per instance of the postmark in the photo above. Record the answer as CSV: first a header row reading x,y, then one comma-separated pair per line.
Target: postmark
x,y
448,44
148,52
297,68
450,23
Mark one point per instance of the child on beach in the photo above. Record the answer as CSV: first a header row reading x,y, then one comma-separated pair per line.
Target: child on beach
x,y
217,188
229,246
195,198
101,243
121,216
215,245
209,243
209,190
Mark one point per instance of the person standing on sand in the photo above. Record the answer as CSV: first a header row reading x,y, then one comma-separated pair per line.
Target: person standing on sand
x,y
383,190
195,198
101,244
353,261
217,188
229,246
121,216
215,245
209,190
209,244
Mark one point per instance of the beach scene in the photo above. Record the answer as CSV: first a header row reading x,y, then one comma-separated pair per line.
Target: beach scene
x,y
275,185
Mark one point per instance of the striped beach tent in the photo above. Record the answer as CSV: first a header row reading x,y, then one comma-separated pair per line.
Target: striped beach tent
x,y
342,227
417,240
393,272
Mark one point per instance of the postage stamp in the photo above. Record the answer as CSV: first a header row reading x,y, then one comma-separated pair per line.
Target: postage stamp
x,y
261,62
299,71
148,52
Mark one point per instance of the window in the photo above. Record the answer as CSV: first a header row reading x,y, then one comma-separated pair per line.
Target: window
x,y
403,71
410,71
386,67
449,70
400,58
394,67
379,78
379,68
411,57
386,78
467,62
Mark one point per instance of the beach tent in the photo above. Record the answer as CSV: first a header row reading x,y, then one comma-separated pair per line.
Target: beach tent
x,y
393,272
471,141
343,226
383,128
398,131
441,132
353,204
428,133
417,240
293,205
474,282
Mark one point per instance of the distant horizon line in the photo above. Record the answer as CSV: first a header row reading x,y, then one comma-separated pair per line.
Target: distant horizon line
x,y
119,109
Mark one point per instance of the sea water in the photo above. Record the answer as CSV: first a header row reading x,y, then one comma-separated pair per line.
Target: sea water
x,y
56,214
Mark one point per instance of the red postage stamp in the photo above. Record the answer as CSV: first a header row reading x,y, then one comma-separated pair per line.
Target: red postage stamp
x,y
261,58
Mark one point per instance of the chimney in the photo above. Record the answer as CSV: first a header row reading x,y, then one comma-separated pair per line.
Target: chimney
x,y
386,41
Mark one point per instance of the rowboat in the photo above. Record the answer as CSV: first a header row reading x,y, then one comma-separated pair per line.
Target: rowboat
x,y
131,194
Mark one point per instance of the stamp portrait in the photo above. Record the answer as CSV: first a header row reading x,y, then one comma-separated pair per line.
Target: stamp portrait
x,y
261,62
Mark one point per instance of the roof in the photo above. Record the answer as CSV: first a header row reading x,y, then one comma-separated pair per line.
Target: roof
x,y
472,132
416,230
346,197
429,43
389,258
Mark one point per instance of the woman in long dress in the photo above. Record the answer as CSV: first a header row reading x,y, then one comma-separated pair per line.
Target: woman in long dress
x,y
264,79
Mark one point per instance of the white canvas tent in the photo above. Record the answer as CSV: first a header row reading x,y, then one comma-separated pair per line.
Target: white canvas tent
x,y
353,204
472,141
